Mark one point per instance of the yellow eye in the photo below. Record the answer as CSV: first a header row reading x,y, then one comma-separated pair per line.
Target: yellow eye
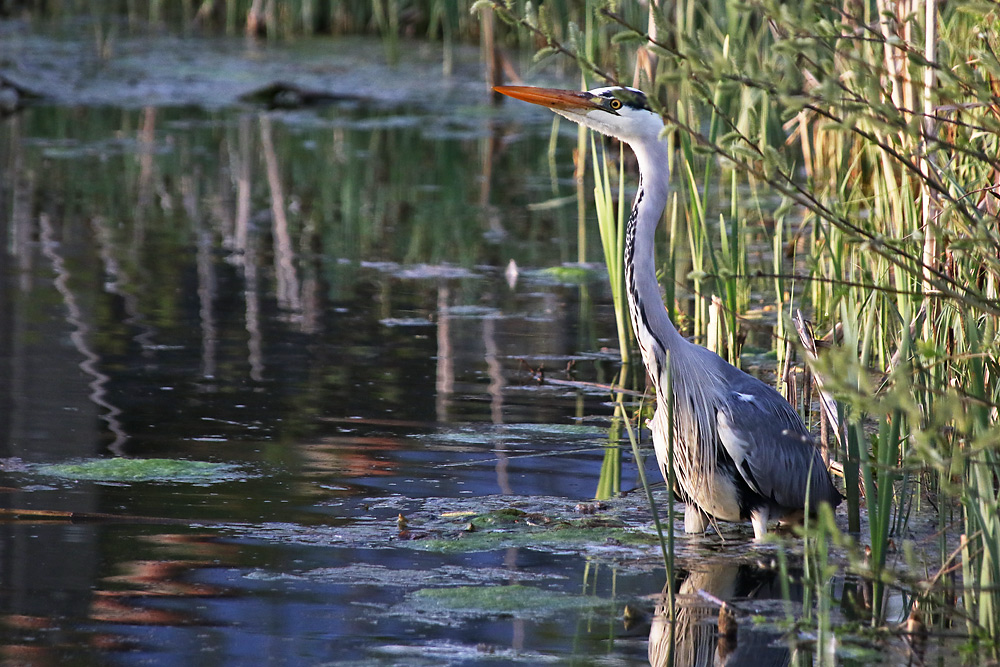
x,y
615,104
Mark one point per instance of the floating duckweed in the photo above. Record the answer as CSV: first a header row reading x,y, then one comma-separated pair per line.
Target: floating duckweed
x,y
559,429
573,274
502,517
514,599
511,527
143,470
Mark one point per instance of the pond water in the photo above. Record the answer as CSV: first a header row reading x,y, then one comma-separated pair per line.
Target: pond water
x,y
322,302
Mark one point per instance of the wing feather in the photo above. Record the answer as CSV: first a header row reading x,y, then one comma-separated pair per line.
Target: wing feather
x,y
772,448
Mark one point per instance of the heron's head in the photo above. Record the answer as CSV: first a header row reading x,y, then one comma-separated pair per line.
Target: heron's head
x,y
616,111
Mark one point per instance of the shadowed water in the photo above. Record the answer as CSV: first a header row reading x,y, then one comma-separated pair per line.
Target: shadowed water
x,y
318,298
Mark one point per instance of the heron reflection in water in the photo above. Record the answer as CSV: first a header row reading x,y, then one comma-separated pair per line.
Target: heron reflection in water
x,y
695,639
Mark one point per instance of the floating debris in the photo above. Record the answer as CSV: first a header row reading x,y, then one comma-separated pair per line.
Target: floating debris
x,y
281,95
511,274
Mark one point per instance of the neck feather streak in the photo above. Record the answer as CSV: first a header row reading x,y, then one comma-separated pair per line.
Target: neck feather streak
x,y
653,328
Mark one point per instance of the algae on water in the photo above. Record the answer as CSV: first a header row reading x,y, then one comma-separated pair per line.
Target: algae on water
x,y
514,599
570,274
511,527
143,470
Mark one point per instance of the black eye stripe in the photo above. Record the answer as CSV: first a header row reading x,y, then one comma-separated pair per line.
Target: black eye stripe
x,y
618,99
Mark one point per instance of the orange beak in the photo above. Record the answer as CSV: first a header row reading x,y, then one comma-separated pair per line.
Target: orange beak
x,y
554,98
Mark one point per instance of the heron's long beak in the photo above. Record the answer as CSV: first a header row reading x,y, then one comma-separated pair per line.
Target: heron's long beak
x,y
554,98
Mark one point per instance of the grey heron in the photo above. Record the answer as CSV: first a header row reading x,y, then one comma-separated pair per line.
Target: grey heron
x,y
740,450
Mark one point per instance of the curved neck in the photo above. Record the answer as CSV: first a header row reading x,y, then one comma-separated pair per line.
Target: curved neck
x,y
650,322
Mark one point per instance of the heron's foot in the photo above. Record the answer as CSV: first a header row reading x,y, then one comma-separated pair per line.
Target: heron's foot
x,y
695,521
758,518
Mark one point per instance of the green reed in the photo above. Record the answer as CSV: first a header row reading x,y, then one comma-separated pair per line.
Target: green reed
x,y
878,158
666,540
611,222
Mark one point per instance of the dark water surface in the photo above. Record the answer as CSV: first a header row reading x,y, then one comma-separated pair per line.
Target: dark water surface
x,y
320,301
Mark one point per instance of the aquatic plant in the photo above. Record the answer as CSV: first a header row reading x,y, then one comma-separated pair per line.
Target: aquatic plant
x,y
143,470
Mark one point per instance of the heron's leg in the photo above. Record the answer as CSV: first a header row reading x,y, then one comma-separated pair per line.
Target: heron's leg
x,y
695,521
758,518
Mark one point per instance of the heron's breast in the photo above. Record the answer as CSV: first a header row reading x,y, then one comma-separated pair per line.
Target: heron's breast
x,y
712,488
717,497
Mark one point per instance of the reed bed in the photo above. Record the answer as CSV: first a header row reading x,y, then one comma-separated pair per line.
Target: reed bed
x,y
863,139
450,21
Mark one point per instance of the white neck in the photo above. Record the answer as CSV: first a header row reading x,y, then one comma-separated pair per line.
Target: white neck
x,y
650,322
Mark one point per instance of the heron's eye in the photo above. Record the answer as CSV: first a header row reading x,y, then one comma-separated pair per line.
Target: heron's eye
x,y
615,104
